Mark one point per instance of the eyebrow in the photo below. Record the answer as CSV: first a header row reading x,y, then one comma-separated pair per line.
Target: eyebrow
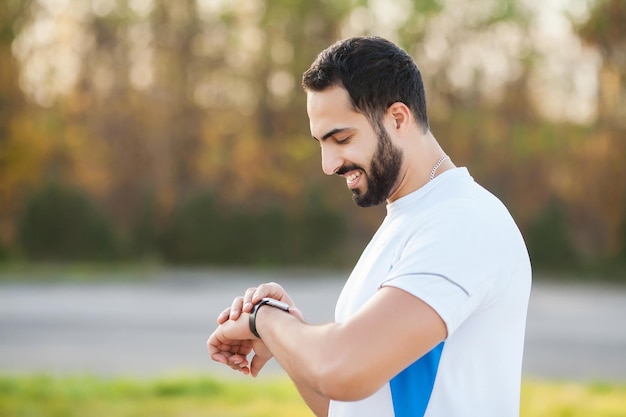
x,y
333,132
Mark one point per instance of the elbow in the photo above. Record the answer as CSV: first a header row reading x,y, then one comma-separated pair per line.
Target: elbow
x,y
341,380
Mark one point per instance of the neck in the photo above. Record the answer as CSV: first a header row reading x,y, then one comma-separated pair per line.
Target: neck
x,y
421,158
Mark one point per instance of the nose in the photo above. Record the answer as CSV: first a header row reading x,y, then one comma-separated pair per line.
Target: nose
x,y
331,160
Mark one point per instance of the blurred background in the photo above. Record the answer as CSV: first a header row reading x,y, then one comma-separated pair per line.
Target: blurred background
x,y
175,132
156,160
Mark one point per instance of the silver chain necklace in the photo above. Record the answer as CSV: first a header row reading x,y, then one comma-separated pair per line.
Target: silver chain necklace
x,y
437,165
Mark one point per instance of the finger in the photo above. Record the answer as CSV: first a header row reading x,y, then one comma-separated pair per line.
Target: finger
x,y
270,289
247,299
224,315
257,364
211,345
238,363
237,360
216,344
241,348
241,367
296,312
235,308
219,357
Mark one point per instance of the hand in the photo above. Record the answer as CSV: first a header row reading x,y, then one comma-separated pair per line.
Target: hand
x,y
232,342
254,295
236,357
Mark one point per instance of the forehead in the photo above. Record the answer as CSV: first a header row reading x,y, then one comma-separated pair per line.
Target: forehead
x,y
331,109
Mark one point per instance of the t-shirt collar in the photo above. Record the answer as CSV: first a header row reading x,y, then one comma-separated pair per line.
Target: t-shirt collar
x,y
400,204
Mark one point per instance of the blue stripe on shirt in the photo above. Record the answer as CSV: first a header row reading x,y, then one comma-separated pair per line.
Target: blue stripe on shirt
x,y
411,388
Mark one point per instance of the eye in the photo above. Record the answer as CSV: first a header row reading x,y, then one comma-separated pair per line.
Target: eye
x,y
343,140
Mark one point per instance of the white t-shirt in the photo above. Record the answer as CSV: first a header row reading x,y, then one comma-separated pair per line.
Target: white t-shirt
x,y
455,246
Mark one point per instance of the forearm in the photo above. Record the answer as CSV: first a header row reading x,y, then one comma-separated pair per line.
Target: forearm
x,y
292,344
352,360
305,352
316,402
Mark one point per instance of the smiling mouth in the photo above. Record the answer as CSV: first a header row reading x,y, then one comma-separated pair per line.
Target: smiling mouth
x,y
353,178
351,173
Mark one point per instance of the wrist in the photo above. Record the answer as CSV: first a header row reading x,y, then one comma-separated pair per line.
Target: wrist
x,y
264,302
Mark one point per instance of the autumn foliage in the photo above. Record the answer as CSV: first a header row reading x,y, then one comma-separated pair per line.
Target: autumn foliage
x,y
177,131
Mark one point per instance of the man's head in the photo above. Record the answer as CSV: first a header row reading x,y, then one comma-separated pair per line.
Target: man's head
x,y
375,73
358,92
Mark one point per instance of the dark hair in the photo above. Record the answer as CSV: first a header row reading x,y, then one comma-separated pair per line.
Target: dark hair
x,y
375,72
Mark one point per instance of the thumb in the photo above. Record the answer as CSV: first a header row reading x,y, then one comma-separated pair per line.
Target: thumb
x,y
258,362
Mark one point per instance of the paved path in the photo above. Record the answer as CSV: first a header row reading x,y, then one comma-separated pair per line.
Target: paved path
x,y
159,326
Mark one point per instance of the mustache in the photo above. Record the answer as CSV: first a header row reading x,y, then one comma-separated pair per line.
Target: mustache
x,y
347,168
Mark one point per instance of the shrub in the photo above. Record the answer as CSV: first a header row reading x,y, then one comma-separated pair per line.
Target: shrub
x,y
194,232
200,232
144,230
5,254
320,232
62,224
549,241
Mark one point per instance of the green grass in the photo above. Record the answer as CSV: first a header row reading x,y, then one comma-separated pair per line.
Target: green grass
x,y
33,396
567,399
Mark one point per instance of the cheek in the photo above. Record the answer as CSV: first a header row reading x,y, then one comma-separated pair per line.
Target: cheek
x,y
370,155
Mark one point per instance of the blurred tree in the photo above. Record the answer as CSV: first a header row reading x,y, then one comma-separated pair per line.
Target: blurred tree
x,y
132,98
601,196
11,98
14,158
605,30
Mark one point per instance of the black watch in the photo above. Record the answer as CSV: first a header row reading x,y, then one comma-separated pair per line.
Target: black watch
x,y
265,301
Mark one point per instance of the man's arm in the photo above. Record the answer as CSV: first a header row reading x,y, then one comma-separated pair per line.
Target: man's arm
x,y
316,402
238,361
351,360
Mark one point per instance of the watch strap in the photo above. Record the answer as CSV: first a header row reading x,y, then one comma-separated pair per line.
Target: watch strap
x,y
264,301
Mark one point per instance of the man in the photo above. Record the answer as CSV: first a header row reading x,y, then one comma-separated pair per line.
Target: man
x,y
431,321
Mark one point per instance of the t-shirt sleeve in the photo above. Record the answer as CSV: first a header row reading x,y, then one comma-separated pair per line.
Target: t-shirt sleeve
x,y
446,264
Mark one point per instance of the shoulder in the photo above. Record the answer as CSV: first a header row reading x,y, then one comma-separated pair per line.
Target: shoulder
x,y
459,204
460,222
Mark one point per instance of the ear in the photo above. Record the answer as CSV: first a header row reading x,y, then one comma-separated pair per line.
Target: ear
x,y
401,116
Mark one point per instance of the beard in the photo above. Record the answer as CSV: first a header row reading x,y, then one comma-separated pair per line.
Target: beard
x,y
383,174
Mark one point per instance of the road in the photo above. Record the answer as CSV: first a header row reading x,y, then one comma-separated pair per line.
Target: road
x,y
158,326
